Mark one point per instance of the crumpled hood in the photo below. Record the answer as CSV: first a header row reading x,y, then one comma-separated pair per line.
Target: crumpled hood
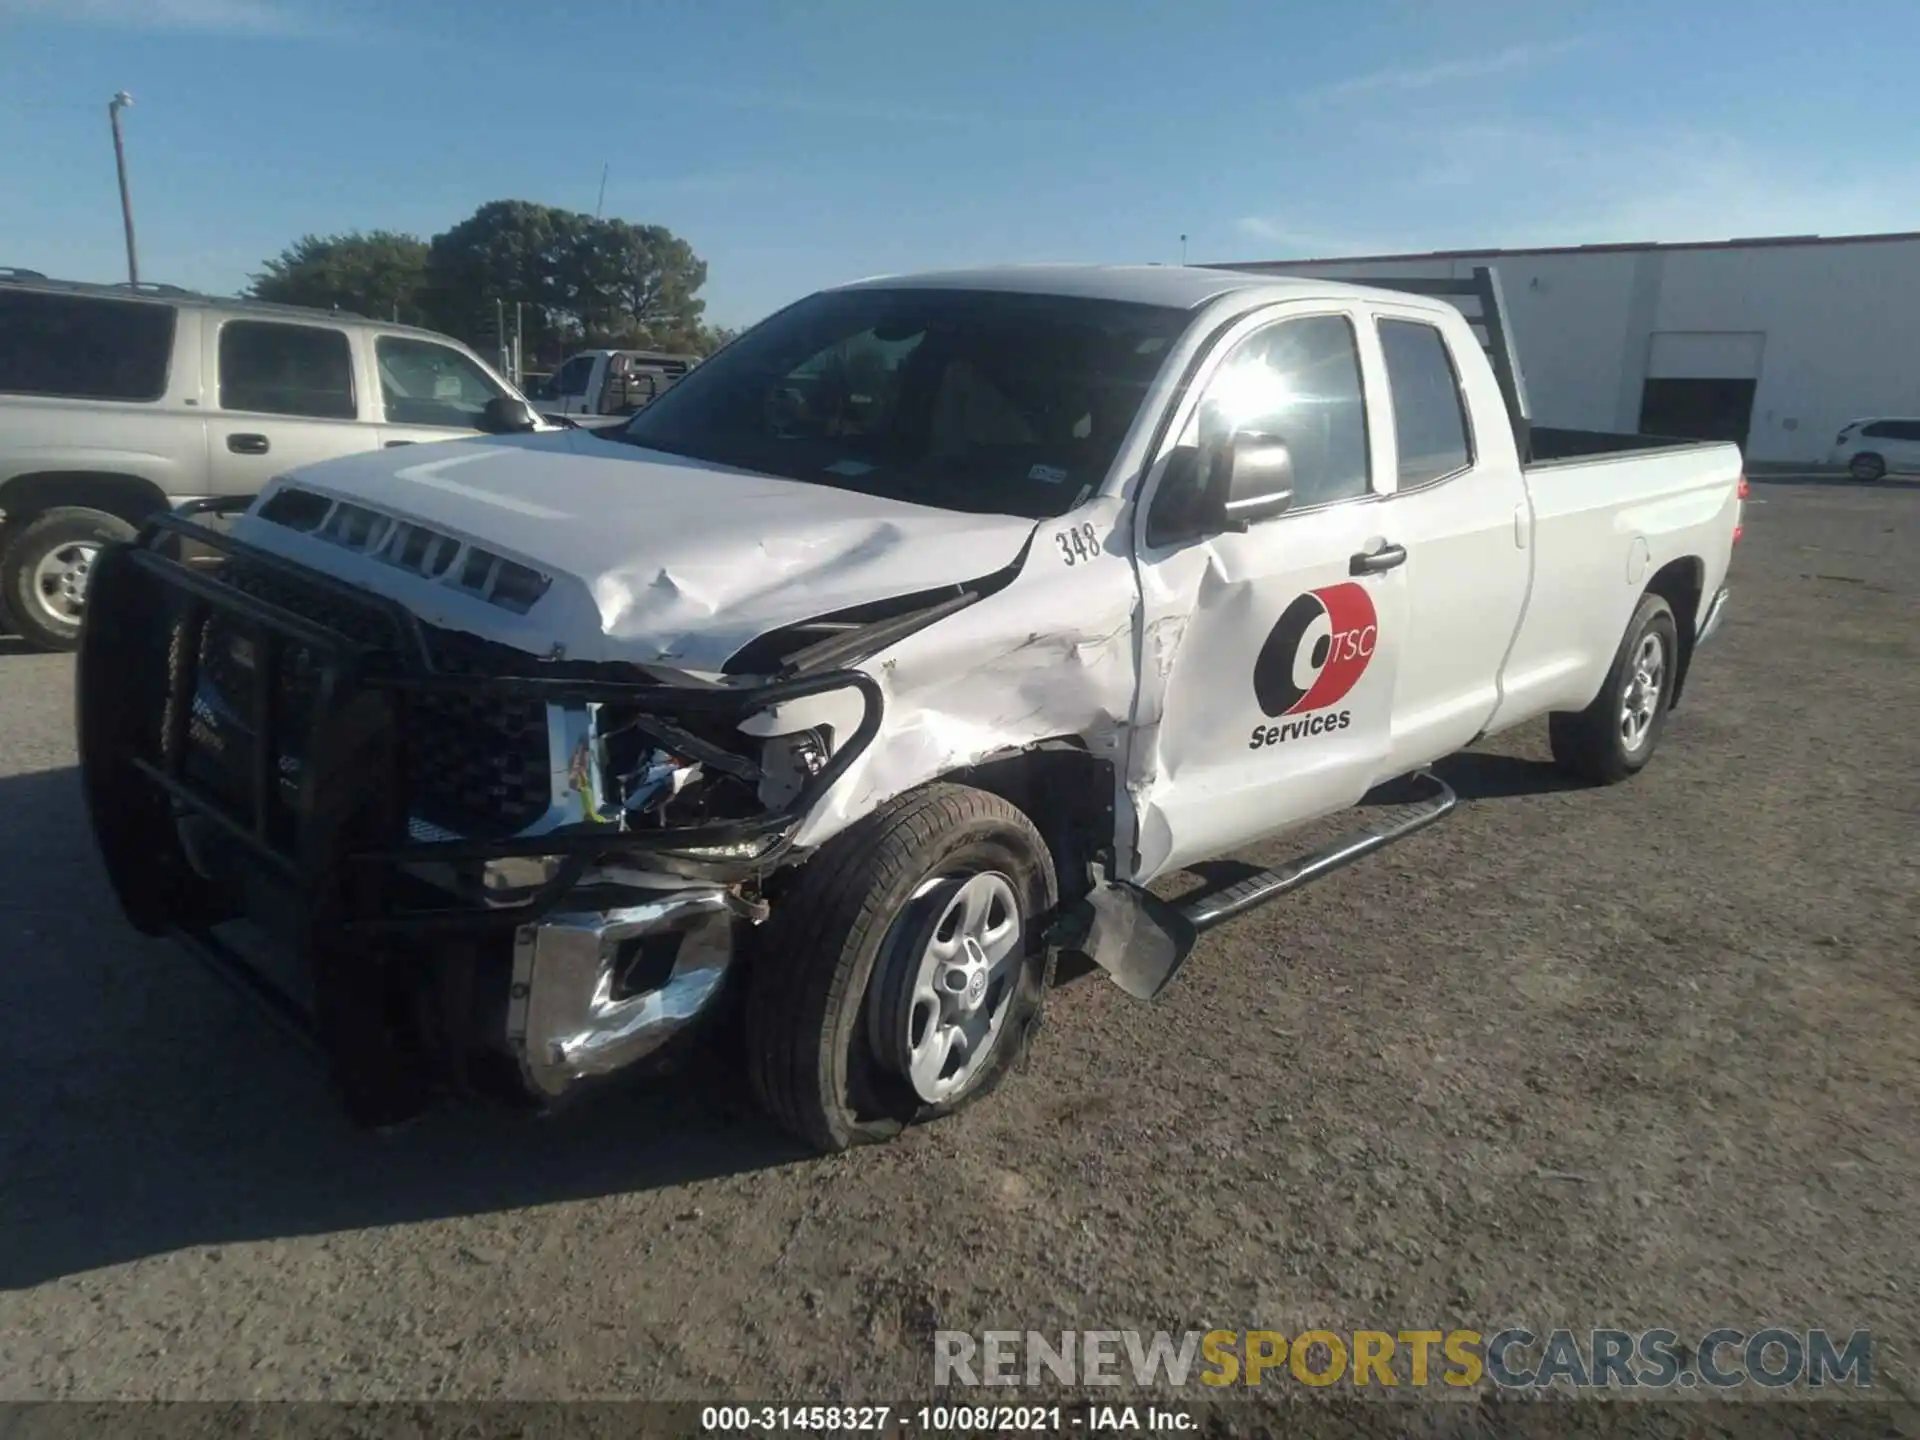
x,y
651,558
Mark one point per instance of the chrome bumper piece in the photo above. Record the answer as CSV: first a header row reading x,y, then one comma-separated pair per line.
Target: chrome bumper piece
x,y
1716,612
578,1009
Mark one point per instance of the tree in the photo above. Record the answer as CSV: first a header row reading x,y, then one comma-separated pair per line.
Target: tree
x,y
634,285
378,273
577,279
580,280
506,252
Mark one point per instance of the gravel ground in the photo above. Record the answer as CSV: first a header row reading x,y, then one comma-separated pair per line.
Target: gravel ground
x,y
1640,1057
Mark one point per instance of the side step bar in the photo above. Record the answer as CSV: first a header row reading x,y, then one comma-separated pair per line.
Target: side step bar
x,y
1206,911
1141,940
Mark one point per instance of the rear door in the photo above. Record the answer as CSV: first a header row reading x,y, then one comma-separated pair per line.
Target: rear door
x,y
282,396
429,391
1460,509
1269,654
1902,444
98,384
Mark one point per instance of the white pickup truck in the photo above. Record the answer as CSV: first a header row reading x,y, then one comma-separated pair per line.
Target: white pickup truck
x,y
494,767
595,383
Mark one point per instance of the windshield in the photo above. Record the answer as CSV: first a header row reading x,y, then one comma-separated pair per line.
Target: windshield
x,y
967,400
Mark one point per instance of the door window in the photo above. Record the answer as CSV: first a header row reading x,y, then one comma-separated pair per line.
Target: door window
x,y
1429,420
422,383
1298,381
268,368
573,377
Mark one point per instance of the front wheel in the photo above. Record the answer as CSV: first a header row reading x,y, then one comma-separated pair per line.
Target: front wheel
x,y
1614,737
901,975
45,569
1867,467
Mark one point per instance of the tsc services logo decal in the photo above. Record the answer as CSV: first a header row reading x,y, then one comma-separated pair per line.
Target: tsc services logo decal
x,y
1317,652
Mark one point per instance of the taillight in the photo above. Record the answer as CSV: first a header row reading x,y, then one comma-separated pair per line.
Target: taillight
x,y
1742,492
1745,489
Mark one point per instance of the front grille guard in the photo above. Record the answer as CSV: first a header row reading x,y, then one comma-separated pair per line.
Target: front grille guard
x,y
159,589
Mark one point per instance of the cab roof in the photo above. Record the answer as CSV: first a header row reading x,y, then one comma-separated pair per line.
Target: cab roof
x,y
1180,287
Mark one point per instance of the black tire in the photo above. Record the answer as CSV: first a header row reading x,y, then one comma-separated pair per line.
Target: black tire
x,y
1592,744
810,1053
38,619
1867,467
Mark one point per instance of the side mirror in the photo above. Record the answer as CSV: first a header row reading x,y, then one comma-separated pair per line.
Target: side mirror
x,y
1258,473
1225,486
508,415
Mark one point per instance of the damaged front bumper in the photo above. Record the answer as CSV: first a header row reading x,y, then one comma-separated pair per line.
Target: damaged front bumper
x,y
596,991
252,754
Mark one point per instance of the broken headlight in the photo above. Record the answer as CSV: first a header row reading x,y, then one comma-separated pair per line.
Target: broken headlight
x,y
790,761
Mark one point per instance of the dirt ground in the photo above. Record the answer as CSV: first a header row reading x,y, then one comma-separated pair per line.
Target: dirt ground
x,y
1638,1057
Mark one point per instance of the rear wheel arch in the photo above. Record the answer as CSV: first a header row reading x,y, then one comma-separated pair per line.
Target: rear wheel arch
x,y
1682,584
131,498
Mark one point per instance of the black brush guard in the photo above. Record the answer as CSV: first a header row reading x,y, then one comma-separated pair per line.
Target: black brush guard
x,y
336,855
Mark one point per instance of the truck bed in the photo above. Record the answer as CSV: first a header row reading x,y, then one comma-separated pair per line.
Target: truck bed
x,y
1554,445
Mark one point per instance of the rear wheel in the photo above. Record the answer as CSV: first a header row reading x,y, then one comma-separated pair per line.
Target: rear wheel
x,y
46,567
1614,737
1867,467
902,974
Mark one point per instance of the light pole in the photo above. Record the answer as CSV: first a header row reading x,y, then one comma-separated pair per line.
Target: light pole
x,y
120,102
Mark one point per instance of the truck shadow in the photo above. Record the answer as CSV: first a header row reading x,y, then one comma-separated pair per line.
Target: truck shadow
x,y
1481,775
143,1109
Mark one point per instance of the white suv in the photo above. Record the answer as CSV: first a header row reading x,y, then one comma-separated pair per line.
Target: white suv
x,y
1872,448
116,403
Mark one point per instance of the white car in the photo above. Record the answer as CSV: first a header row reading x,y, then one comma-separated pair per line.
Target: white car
x,y
1871,449
862,696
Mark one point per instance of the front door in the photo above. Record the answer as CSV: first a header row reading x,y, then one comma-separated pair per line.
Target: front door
x,y
1268,655
283,397
428,391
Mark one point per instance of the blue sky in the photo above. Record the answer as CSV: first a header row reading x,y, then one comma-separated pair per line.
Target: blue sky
x,y
799,144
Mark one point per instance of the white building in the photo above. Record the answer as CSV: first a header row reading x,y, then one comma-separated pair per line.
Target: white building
x,y
1774,342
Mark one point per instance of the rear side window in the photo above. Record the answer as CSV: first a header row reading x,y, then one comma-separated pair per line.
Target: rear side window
x,y
573,376
1891,430
268,368
1429,420
83,348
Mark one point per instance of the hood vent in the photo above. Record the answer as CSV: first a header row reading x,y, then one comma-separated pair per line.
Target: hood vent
x,y
428,553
